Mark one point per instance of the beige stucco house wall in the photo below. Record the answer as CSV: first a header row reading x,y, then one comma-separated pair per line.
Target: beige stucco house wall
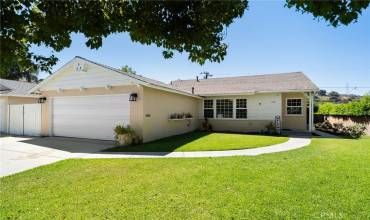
x,y
294,122
159,105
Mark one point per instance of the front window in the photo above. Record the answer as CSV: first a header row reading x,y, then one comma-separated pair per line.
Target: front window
x,y
208,108
241,108
294,106
224,108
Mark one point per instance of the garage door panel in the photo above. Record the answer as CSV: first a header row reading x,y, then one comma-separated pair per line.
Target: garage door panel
x,y
16,119
83,101
90,116
91,111
32,119
64,106
91,123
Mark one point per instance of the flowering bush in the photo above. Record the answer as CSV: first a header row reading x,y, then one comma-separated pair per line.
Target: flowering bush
x,y
355,131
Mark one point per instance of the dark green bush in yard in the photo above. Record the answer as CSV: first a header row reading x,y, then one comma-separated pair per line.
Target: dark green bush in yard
x,y
355,108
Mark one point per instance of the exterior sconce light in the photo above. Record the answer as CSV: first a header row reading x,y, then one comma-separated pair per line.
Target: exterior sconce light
x,y
41,100
133,97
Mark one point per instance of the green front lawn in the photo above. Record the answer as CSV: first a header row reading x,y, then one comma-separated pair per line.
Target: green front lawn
x,y
330,179
204,141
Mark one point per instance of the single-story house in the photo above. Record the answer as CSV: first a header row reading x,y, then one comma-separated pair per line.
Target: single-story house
x,y
86,99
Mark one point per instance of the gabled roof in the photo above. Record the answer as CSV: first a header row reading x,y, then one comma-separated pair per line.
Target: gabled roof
x,y
283,82
136,78
14,88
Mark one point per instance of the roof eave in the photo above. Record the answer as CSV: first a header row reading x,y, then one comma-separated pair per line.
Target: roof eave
x,y
257,92
15,95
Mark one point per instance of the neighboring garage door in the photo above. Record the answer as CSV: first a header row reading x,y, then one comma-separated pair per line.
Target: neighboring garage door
x,y
3,107
25,119
91,117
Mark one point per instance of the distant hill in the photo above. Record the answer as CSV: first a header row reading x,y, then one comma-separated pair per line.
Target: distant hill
x,y
342,98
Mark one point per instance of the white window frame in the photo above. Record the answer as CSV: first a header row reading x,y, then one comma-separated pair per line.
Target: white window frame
x,y
286,107
232,108
237,108
213,107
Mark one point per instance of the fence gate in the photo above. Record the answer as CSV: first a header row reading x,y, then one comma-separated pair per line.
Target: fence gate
x,y
25,119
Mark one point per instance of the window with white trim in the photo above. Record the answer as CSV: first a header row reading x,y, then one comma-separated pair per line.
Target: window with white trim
x,y
208,108
224,108
294,106
241,108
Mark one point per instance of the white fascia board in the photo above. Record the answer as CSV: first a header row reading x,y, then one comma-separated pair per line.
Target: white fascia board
x,y
23,96
227,94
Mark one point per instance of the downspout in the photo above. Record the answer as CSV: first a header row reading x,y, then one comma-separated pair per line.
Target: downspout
x,y
311,116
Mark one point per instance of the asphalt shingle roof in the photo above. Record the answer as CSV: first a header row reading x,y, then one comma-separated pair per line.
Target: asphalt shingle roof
x,y
137,77
282,82
12,87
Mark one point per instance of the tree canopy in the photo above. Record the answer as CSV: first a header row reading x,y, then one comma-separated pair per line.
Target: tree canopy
x,y
195,27
334,96
17,73
128,69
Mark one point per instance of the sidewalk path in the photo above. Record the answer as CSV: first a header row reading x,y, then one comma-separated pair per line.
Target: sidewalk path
x,y
292,143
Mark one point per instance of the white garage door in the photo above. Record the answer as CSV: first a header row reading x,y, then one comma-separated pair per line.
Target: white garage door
x,y
3,107
25,119
91,117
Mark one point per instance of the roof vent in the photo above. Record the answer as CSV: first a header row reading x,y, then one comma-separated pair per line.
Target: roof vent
x,y
81,67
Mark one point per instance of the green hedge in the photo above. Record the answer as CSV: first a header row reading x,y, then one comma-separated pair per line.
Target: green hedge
x,y
355,108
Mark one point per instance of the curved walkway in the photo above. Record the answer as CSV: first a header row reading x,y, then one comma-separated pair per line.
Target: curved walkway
x,y
22,153
291,144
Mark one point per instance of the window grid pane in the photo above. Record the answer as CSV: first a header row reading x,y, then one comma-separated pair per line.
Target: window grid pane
x,y
241,103
208,113
224,108
208,108
208,103
294,102
241,113
294,106
241,108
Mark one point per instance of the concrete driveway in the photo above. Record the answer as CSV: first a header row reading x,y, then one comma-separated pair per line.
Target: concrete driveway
x,y
22,153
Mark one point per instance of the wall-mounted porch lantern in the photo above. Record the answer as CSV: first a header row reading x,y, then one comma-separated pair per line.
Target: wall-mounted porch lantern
x,y
133,97
41,100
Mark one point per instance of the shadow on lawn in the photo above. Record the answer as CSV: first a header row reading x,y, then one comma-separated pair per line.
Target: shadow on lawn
x,y
164,145
72,145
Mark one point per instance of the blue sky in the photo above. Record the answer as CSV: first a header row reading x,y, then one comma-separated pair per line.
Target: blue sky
x,y
269,38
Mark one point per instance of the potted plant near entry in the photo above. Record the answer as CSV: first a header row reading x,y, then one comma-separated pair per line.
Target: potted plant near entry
x,y
124,135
